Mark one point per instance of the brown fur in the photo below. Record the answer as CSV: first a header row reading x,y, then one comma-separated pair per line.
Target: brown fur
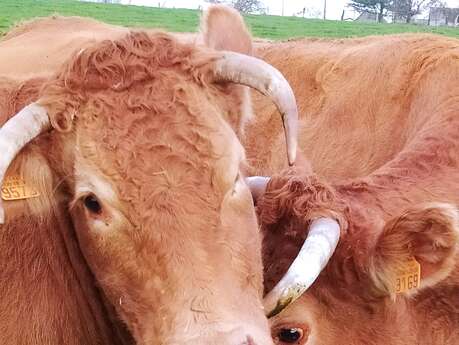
x,y
379,128
174,255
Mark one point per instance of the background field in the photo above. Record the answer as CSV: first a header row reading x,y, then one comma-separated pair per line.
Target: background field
x,y
274,27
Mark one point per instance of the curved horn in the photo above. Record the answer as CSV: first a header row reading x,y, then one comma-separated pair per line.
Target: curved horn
x,y
257,185
313,256
257,74
16,133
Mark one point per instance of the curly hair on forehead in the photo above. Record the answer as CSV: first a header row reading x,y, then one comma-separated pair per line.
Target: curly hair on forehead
x,y
292,200
118,65
294,194
136,57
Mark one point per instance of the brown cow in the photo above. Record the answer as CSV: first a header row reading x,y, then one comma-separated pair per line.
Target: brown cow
x,y
379,132
127,215
40,46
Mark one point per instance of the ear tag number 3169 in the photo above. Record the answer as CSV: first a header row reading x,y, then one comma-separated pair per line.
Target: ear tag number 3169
x,y
409,277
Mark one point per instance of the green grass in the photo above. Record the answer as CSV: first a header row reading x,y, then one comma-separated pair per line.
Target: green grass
x,y
181,20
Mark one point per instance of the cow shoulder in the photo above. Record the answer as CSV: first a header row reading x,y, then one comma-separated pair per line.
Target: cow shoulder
x,y
429,234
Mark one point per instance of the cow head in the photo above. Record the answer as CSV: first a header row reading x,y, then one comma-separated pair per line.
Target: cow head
x,y
369,292
138,137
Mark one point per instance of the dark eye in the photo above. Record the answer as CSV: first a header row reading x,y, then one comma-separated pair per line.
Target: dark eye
x,y
289,335
92,204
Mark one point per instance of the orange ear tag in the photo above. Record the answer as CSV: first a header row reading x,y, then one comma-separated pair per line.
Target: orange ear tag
x,y
15,188
409,277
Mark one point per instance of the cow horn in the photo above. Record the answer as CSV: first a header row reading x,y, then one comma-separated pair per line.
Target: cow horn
x,y
257,74
257,185
16,133
317,249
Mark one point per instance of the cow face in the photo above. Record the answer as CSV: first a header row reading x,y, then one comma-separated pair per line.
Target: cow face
x,y
144,147
161,211
355,299
143,144
165,219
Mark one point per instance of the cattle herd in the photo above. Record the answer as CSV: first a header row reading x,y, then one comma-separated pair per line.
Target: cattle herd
x,y
177,189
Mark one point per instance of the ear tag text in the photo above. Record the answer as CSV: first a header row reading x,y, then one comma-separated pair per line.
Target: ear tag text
x,y
409,277
15,188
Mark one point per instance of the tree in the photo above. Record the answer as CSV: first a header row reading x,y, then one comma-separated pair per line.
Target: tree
x,y
244,6
248,6
407,9
378,7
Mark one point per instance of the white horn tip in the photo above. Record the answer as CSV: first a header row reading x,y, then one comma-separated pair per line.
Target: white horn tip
x,y
2,215
317,249
257,185
292,156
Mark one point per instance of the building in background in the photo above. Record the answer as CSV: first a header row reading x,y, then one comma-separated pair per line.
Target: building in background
x,y
444,16
367,17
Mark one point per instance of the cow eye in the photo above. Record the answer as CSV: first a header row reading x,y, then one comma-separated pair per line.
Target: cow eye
x,y
92,204
289,336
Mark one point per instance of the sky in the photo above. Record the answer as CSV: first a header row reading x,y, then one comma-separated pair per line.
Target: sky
x,y
291,7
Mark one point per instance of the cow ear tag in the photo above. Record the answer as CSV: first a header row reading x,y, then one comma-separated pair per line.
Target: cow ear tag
x,y
408,277
15,188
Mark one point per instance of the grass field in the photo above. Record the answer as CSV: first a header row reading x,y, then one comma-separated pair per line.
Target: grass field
x,y
181,20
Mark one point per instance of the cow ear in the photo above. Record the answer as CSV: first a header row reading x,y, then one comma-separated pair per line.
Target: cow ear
x,y
427,235
223,28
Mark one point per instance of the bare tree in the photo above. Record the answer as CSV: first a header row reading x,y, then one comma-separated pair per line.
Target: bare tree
x,y
244,6
378,7
406,9
248,6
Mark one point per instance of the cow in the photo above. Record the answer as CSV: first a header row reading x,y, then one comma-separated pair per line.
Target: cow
x,y
126,218
40,46
376,184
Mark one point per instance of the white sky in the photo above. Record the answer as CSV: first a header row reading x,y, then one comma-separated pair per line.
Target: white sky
x,y
334,7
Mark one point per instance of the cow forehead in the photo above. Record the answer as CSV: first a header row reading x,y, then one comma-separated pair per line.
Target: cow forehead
x,y
147,118
186,147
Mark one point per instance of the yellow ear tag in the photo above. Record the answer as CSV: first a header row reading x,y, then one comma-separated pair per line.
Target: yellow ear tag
x,y
15,188
409,277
